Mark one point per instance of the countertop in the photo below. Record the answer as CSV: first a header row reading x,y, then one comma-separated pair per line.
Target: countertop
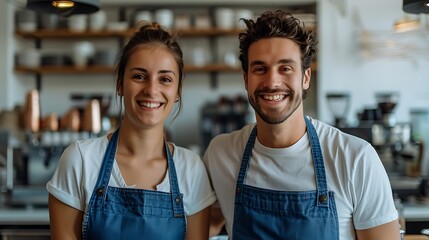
x,y
30,207
416,237
24,216
417,211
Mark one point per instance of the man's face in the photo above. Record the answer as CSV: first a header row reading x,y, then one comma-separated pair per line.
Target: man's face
x,y
274,81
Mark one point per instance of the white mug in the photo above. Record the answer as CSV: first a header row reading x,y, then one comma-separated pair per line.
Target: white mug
x,y
78,23
165,17
82,51
143,16
30,58
98,20
224,18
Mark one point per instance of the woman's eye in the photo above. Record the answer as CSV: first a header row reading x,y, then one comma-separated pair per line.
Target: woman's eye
x,y
165,80
139,76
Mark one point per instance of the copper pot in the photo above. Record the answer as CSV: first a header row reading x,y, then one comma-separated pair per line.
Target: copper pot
x,y
32,111
91,117
71,120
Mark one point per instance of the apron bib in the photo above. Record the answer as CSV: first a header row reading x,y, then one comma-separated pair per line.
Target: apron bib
x,y
126,213
270,214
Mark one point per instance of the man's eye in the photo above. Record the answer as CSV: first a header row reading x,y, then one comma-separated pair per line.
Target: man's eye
x,y
259,69
287,69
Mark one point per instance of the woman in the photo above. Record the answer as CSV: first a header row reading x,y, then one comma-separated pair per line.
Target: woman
x,y
133,184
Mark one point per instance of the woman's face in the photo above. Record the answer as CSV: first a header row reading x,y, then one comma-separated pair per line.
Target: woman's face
x,y
150,87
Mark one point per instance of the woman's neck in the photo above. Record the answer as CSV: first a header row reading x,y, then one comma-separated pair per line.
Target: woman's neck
x,y
141,142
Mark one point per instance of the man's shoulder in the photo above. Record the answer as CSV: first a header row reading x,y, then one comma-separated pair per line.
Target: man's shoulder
x,y
326,131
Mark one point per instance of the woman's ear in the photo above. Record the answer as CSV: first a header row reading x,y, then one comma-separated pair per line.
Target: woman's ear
x,y
119,89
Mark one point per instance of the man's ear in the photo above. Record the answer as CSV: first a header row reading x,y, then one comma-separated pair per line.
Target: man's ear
x,y
245,79
306,79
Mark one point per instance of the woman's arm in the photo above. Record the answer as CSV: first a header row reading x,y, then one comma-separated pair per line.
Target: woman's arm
x,y
65,221
217,221
198,225
388,231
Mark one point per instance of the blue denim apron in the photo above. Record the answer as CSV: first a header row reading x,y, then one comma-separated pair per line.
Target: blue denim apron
x,y
269,214
127,213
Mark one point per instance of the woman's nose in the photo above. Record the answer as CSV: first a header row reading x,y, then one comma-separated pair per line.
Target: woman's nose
x,y
150,86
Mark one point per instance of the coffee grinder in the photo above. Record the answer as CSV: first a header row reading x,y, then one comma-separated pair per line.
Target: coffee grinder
x,y
339,105
387,103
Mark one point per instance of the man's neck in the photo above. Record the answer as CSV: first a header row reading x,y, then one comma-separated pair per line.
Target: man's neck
x,y
281,135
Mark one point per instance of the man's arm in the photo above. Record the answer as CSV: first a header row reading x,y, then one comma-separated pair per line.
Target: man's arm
x,y
388,231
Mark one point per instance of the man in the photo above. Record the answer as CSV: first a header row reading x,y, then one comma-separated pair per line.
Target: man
x,y
289,176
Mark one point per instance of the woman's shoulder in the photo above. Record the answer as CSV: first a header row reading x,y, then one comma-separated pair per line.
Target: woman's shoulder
x,y
84,151
185,153
91,144
187,161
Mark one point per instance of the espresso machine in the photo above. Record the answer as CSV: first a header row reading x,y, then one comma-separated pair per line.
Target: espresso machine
x,y
29,155
400,153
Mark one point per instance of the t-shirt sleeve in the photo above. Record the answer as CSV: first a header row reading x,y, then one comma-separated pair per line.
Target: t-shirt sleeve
x,y
372,195
199,193
66,181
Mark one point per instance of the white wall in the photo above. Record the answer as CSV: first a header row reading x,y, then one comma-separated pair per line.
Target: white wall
x,y
343,68
6,65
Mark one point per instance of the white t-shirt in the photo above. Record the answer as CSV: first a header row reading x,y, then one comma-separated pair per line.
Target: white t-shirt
x,y
77,172
354,172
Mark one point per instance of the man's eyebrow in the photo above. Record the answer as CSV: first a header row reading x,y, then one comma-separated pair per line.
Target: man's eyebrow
x,y
288,61
283,61
256,62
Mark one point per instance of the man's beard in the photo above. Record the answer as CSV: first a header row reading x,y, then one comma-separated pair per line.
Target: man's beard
x,y
276,116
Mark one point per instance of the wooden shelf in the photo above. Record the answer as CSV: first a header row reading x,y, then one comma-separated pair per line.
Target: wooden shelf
x,y
65,69
207,32
65,33
107,69
212,68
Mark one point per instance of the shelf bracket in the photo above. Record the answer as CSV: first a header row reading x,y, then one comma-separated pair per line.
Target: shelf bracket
x,y
38,43
38,82
213,80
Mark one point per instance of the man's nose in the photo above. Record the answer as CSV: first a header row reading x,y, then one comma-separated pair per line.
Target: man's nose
x,y
273,79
